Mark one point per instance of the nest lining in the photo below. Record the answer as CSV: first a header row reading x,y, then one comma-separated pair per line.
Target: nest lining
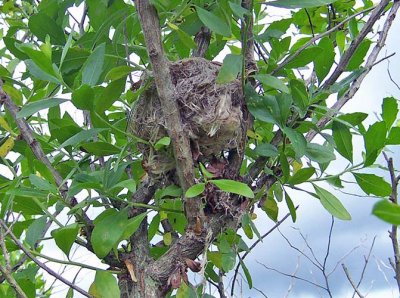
x,y
211,114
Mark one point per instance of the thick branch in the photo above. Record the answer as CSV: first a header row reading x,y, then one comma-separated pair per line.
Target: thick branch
x,y
183,156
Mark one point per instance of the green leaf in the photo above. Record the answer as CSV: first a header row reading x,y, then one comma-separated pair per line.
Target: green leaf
x,y
119,72
65,237
299,95
372,184
231,67
42,184
238,10
297,140
301,176
390,110
93,66
271,81
387,211
323,63
394,136
100,148
228,261
129,184
299,3
41,25
35,230
185,291
83,97
195,190
163,142
103,238
246,273
170,191
332,204
291,207
375,140
81,136
305,57
213,22
319,153
234,187
343,140
104,286
267,150
271,208
39,73
39,58
132,225
34,107
105,97
358,57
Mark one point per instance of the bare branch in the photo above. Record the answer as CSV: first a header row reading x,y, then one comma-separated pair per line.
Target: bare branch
x,y
254,245
346,271
293,276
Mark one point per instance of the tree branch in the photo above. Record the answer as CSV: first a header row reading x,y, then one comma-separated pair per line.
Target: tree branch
x,y
333,111
346,271
314,39
39,263
166,91
375,15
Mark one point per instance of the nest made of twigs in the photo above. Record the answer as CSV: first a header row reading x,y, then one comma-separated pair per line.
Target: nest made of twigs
x,y
212,114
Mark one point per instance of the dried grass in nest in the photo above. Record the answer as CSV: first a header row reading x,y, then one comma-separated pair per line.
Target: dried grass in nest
x,y
211,113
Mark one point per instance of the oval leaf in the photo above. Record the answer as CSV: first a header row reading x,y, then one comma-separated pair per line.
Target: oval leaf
x,y
234,187
195,190
373,184
332,204
213,22
387,211
34,107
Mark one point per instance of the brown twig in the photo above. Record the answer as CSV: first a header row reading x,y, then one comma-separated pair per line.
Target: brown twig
x,y
39,263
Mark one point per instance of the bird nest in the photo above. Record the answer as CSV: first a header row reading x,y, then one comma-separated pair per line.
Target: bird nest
x,y
211,114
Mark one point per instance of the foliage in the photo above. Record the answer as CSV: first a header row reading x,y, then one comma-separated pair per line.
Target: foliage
x,y
73,80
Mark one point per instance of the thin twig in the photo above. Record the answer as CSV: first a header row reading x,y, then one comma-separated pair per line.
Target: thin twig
x,y
366,260
313,40
40,264
293,276
255,244
356,84
346,271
